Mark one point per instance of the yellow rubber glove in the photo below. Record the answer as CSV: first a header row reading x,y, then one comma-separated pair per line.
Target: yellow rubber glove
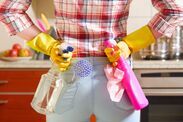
x,y
139,39
46,44
131,43
121,49
63,61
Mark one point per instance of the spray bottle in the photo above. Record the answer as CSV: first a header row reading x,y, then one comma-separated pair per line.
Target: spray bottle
x,y
129,81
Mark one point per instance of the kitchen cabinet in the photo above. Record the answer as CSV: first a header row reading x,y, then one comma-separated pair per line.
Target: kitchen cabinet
x,y
17,87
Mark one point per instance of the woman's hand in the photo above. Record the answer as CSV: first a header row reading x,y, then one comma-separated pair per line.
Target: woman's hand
x,y
121,49
63,60
46,44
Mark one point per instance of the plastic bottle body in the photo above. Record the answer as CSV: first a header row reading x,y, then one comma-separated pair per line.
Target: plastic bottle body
x,y
48,91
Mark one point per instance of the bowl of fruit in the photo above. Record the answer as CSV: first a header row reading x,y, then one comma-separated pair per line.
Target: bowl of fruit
x,y
16,53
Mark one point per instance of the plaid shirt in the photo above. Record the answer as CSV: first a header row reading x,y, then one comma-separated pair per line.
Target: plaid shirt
x,y
85,24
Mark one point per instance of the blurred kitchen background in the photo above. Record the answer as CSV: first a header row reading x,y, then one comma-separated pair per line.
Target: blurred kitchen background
x,y
159,69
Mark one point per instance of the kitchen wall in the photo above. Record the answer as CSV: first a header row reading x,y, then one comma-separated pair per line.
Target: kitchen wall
x,y
6,41
140,13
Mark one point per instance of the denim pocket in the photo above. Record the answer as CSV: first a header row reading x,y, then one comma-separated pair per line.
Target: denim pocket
x,y
67,98
124,104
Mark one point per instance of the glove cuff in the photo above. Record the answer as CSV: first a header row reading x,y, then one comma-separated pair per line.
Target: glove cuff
x,y
43,43
139,39
124,48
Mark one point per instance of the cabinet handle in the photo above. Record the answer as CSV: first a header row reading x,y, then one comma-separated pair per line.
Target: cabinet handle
x,y
3,82
162,74
3,102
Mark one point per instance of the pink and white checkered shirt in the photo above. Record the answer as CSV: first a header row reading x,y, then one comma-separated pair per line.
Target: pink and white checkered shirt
x,y
87,23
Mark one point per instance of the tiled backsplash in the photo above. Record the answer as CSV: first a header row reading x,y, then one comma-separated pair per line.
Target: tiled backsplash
x,y
141,11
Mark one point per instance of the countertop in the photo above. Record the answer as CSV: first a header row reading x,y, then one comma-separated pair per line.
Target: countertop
x,y
158,64
137,64
26,64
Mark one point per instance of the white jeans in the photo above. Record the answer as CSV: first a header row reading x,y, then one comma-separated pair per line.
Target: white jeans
x,y
89,95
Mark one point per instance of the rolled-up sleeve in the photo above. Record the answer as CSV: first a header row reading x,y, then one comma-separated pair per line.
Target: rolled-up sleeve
x,y
13,15
170,15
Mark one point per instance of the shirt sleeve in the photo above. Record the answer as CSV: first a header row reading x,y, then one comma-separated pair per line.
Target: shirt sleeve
x,y
13,15
170,15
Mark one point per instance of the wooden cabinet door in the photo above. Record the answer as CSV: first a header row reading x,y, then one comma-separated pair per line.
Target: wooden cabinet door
x,y
17,87
17,108
21,80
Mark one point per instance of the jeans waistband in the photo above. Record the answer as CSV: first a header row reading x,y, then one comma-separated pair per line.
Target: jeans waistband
x,y
92,60
97,60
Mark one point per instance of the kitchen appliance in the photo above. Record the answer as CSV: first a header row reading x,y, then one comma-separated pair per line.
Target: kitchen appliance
x,y
163,109
164,90
165,48
176,44
157,51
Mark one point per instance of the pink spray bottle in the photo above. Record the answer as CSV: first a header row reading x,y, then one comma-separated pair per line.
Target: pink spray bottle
x,y
129,81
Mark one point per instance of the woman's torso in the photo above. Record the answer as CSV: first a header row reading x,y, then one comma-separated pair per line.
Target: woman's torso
x,y
85,24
